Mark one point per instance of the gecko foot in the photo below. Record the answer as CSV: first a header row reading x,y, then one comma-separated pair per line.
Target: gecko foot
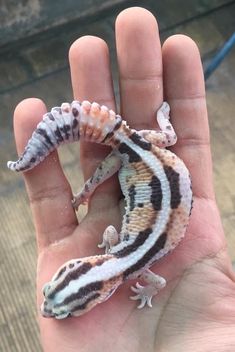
x,y
110,239
78,200
146,293
143,295
165,109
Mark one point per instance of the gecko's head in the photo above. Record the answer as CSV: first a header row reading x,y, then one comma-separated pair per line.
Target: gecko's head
x,y
76,288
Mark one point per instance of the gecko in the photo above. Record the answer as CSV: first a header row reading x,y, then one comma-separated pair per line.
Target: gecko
x,y
157,190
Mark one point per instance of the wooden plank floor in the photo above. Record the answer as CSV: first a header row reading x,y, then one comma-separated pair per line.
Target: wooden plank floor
x,y
18,327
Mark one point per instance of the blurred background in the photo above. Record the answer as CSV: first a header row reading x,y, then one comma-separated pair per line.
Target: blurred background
x,y
35,36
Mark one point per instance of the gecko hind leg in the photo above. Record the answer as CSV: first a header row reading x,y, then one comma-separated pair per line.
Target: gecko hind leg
x,y
145,293
110,238
107,168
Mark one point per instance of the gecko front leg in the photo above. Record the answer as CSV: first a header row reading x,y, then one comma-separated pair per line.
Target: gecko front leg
x,y
110,238
166,137
107,168
145,293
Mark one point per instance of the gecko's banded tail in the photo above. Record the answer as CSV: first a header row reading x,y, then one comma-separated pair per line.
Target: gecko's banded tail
x,y
57,127
66,124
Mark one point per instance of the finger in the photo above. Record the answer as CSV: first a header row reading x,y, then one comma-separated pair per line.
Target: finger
x,y
48,190
91,80
140,67
185,92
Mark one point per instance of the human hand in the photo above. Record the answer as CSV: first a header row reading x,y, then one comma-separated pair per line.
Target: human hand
x,y
195,312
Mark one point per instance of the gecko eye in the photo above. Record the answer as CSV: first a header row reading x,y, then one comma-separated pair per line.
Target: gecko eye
x,y
45,289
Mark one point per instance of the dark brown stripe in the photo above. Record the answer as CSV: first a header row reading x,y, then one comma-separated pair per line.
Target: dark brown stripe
x,y
156,195
138,140
74,125
82,292
139,241
51,117
84,305
65,130
43,133
72,275
115,128
133,156
132,193
118,123
75,112
60,273
32,160
59,137
173,178
158,245
108,136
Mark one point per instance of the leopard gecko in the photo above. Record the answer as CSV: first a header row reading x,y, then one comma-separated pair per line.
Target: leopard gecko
x,y
158,200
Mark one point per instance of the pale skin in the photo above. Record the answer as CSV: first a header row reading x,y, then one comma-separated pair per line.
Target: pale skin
x,y
196,309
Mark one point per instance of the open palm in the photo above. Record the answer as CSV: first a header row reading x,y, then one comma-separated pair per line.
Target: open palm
x,y
196,310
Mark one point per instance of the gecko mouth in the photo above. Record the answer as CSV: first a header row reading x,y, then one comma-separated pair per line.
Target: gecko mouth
x,y
47,311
